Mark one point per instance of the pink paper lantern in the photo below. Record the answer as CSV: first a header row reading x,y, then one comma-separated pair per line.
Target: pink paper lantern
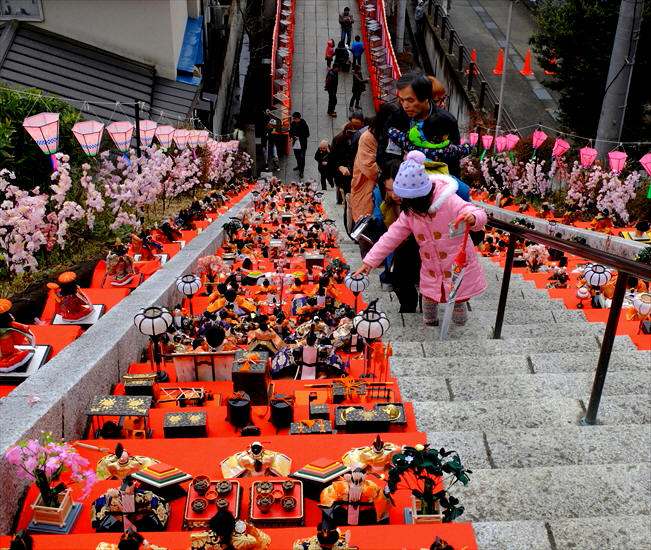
x,y
203,137
645,161
616,159
121,133
44,129
164,135
473,137
500,144
89,136
560,148
511,141
193,138
538,138
147,132
486,141
181,137
587,155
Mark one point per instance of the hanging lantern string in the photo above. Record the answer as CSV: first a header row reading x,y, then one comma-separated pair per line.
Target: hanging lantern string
x,y
566,134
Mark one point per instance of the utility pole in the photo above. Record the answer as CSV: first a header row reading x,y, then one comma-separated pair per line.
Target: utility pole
x,y
400,26
622,60
500,101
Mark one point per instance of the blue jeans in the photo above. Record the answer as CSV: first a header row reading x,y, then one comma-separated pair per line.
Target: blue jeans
x,y
300,159
346,35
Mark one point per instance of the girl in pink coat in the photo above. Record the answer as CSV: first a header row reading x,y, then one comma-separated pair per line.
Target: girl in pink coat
x,y
429,206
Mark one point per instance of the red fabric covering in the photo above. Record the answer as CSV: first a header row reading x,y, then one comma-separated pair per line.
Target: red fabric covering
x,y
381,537
203,456
57,336
107,296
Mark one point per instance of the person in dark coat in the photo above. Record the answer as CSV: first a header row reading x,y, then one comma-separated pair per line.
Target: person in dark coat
x,y
342,56
298,133
359,85
346,23
322,157
331,85
340,161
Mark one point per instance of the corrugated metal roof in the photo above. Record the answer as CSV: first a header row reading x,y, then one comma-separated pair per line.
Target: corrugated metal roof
x,y
74,70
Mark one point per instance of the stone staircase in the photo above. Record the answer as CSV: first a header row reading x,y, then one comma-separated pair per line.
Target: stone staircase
x,y
512,409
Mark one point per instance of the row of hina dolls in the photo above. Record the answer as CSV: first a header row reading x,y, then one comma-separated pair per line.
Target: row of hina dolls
x,y
252,318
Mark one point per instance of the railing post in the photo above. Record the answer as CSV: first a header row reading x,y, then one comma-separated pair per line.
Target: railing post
x,y
444,21
590,417
462,50
429,7
471,72
482,93
496,108
436,15
506,280
451,40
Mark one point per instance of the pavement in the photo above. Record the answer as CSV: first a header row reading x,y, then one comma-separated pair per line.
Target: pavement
x,y
482,25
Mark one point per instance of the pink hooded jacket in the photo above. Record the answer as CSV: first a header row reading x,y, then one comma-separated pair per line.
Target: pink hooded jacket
x,y
437,251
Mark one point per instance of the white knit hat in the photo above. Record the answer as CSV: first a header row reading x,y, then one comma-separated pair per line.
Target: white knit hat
x,y
411,180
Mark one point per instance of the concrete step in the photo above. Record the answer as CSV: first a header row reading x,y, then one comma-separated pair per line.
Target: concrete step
x,y
577,385
497,414
556,494
516,345
621,532
587,361
546,446
442,367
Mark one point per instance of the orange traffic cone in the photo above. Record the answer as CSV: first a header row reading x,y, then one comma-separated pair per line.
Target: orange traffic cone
x,y
499,66
526,69
473,59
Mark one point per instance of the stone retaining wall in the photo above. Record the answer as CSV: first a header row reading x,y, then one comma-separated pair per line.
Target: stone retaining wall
x,y
91,365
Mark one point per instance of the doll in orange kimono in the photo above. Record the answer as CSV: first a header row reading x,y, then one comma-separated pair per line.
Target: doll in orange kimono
x,y
353,491
69,300
13,334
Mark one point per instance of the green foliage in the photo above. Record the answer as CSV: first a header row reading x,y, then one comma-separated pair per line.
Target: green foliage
x,y
420,469
579,34
644,255
18,151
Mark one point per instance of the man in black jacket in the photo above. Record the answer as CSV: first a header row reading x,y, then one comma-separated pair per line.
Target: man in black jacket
x,y
298,133
416,104
331,85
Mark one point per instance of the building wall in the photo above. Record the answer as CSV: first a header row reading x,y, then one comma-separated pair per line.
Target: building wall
x,y
148,31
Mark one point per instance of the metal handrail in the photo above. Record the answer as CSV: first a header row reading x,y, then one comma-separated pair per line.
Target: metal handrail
x,y
624,267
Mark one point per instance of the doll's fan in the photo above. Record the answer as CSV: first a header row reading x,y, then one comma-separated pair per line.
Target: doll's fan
x,y
458,271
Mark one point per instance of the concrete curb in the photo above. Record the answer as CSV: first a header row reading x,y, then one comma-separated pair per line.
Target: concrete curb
x,y
92,364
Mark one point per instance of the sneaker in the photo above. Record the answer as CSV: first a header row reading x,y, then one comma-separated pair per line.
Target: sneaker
x,y
296,168
333,114
300,175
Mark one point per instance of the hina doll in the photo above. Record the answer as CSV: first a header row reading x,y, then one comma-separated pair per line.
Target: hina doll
x,y
602,222
256,461
327,537
69,300
128,507
120,464
376,457
352,491
13,334
227,532
119,265
264,337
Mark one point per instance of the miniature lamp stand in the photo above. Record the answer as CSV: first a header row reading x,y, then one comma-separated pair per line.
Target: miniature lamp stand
x,y
188,285
356,283
371,325
642,306
154,321
596,275
582,293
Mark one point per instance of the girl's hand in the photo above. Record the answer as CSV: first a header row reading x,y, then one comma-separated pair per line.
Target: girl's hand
x,y
365,269
468,218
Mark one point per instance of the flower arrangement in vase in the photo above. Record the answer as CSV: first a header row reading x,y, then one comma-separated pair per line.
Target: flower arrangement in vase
x,y
43,461
421,470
